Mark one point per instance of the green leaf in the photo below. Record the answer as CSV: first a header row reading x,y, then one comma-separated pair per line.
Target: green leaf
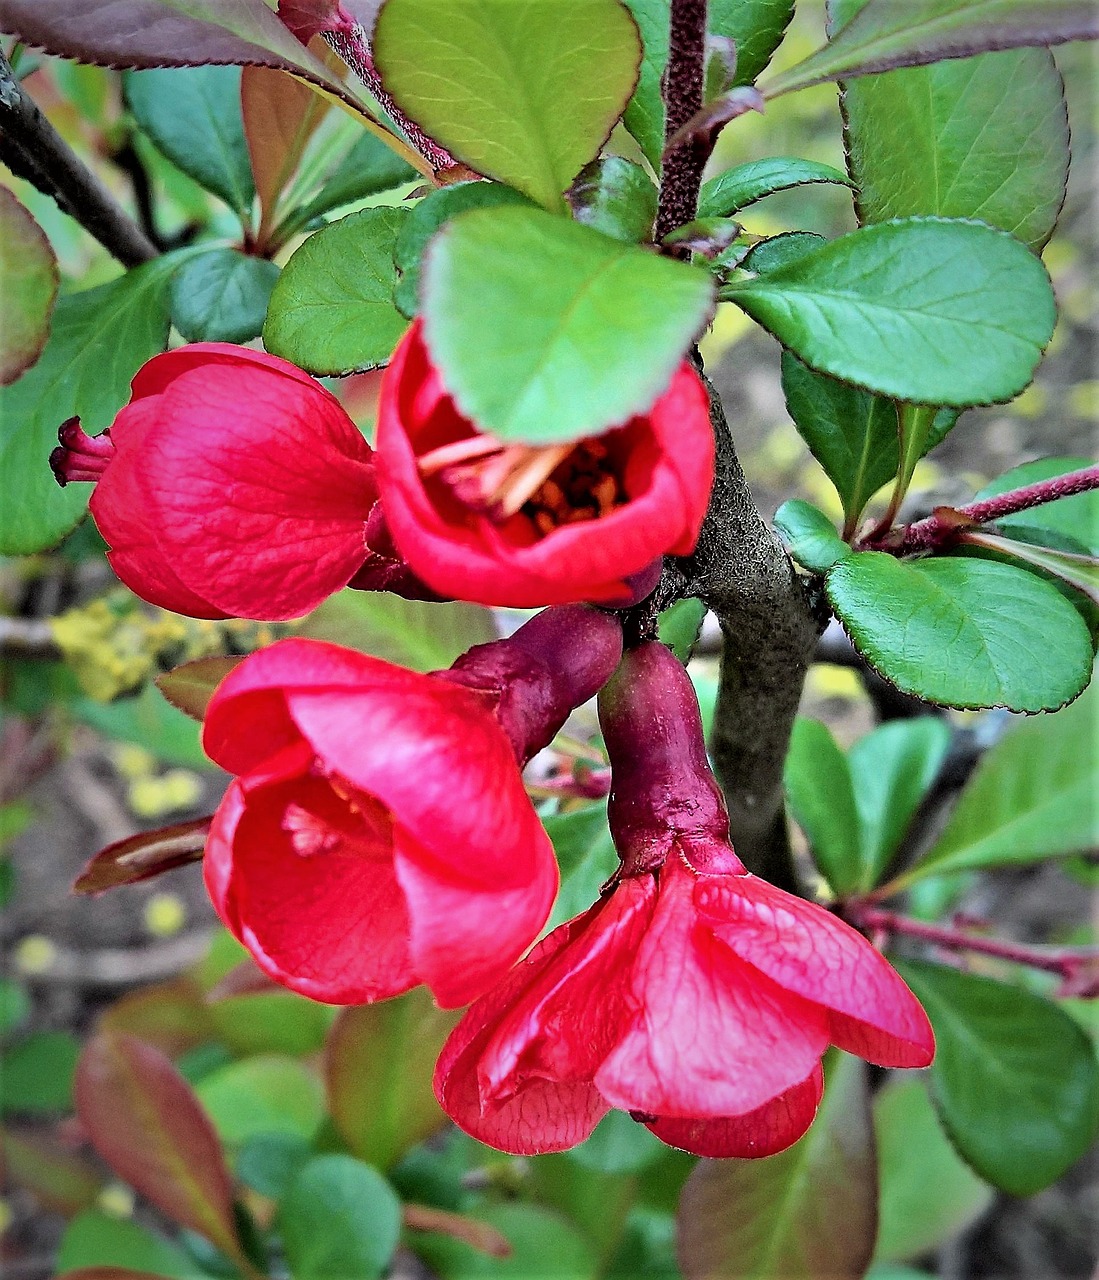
x,y
802,1214
15,1007
618,1145
487,81
1071,524
369,168
271,1022
616,197
821,796
983,137
378,1066
98,341
192,114
340,1219
36,1075
1079,571
680,626
885,35
1015,1079
415,633
542,1243
151,722
190,686
269,1162
755,26
963,632
95,1240
28,285
923,309
265,1094
810,536
537,291
586,856
222,296
1031,797
431,213
732,190
332,309
927,1194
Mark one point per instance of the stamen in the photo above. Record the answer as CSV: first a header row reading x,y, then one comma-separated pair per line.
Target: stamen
x,y
309,835
80,456
528,476
458,451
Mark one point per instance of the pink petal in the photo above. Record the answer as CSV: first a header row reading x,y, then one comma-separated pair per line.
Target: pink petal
x,y
808,951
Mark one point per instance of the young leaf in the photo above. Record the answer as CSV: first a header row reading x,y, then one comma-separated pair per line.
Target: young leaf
x,y
192,114
28,285
279,116
680,626
732,190
1030,798
339,1218
983,137
963,632
537,290
368,168
885,35
141,857
1071,524
98,341
1079,571
378,1065
488,82
145,1121
222,296
1015,1079
332,310
807,1212
927,1194
821,795
190,687
616,197
923,309
809,535
61,1180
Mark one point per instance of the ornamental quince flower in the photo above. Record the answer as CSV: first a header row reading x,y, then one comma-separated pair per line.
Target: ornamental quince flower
x,y
234,484
693,995
378,834
524,526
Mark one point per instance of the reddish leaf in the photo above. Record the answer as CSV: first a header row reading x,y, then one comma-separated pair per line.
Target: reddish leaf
x,y
479,1235
108,1273
172,1016
191,686
141,857
807,1212
378,1064
59,1179
146,1122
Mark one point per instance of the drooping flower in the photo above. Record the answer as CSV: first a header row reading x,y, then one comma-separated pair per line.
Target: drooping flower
x,y
524,526
692,995
233,484
378,834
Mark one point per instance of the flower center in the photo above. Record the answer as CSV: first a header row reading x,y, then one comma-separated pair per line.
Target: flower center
x,y
332,820
552,485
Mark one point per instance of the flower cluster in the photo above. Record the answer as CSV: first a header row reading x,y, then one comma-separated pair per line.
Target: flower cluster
x,y
377,833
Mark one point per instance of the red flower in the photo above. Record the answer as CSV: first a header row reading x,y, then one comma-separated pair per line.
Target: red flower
x,y
522,526
693,995
378,834
231,484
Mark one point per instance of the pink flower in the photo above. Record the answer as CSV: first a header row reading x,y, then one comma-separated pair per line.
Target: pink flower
x,y
523,526
233,484
692,995
378,833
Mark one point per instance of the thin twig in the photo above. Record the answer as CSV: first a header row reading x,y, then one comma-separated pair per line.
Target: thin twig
x,y
681,176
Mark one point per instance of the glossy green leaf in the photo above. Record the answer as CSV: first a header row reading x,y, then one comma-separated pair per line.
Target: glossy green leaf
x,y
922,309
192,114
537,291
586,856
821,796
368,168
340,1218
804,1213
222,296
1071,524
98,340
680,626
927,1194
332,310
36,1075
427,216
1078,571
809,535
543,1244
1015,1079
963,632
264,1094
1031,797
983,137
414,633
885,35
487,81
756,27
644,114
732,190
616,197
28,285
96,1240
378,1066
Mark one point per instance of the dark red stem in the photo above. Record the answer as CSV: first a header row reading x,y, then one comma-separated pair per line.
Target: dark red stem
x,y
945,524
683,87
1066,962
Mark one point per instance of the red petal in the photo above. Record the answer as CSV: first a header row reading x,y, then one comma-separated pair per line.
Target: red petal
x,y
769,1129
807,950
156,374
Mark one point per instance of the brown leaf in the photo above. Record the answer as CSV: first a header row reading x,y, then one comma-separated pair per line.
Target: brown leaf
x,y
59,1179
478,1235
191,686
146,1122
141,857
